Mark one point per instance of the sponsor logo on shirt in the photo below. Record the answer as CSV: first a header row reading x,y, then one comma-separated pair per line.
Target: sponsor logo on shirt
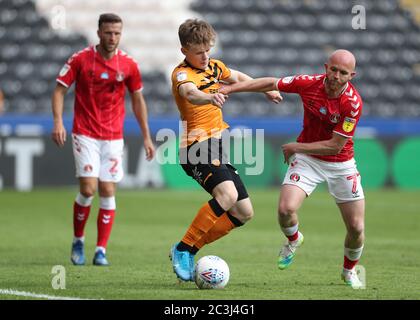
x,y
323,110
348,124
104,75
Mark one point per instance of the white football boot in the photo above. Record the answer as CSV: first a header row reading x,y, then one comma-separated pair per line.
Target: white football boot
x,y
288,251
351,279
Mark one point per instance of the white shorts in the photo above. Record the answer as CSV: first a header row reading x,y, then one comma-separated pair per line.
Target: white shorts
x,y
343,179
98,158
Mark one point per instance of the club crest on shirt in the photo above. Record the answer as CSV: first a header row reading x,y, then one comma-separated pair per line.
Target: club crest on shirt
x,y
64,70
348,124
119,76
335,118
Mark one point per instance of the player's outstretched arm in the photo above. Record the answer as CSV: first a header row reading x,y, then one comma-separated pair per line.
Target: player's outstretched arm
x,y
59,133
237,76
140,111
190,92
254,85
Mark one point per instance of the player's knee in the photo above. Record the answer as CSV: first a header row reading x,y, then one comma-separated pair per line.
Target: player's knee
x,y
227,199
357,228
106,190
88,191
247,215
286,209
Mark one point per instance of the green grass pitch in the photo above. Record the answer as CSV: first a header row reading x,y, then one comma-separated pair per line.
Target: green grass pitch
x,y
36,232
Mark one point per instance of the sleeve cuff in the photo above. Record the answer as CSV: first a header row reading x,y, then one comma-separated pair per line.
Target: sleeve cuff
x,y
63,83
342,134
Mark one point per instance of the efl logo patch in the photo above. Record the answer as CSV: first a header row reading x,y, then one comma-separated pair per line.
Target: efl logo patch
x,y
64,70
181,76
287,80
294,177
348,124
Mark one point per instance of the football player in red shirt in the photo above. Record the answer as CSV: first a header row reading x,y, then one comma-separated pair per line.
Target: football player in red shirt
x,y
323,152
101,74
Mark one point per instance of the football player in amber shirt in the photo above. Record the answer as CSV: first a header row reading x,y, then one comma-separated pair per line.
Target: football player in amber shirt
x,y
195,84
101,73
323,152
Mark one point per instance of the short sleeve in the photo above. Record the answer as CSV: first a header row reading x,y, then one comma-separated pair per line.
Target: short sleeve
x,y
183,75
350,117
134,82
225,72
295,84
69,71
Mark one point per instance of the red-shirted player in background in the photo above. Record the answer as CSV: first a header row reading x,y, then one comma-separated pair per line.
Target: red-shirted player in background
x,y
323,152
101,74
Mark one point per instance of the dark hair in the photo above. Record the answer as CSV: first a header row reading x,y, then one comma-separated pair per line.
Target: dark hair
x,y
108,18
194,31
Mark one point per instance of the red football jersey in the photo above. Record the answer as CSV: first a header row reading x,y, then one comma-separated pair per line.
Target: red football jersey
x,y
100,90
323,115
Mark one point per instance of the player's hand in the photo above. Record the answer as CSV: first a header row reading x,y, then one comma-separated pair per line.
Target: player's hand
x,y
224,89
289,149
218,99
59,134
274,96
150,149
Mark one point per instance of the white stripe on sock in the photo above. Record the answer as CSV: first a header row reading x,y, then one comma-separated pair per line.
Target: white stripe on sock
x,y
353,254
107,203
83,201
290,231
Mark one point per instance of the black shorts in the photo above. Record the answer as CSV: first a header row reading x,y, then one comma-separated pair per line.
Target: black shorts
x,y
208,164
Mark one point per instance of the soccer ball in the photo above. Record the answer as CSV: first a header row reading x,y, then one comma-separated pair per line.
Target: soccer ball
x,y
211,272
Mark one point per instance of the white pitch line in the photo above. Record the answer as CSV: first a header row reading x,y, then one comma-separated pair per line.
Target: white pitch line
x,y
12,292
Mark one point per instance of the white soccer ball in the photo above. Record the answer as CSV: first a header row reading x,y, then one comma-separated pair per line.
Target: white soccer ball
x,y
211,272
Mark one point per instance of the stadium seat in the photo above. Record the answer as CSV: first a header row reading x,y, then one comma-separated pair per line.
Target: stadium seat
x,y
23,105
